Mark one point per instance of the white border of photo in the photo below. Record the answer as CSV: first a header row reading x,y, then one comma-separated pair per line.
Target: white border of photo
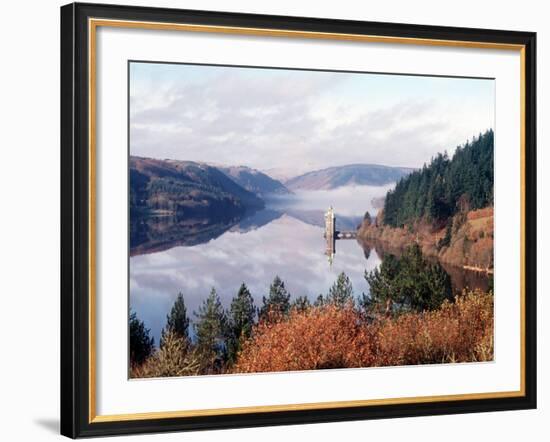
x,y
116,394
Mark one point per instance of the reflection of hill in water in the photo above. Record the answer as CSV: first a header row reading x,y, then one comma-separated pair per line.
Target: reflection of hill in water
x,y
256,220
159,233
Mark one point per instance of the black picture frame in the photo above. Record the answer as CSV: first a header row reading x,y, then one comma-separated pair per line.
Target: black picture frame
x,y
75,221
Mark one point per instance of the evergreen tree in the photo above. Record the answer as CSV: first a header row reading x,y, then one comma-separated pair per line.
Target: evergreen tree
x,y
177,321
364,303
301,304
446,240
241,321
440,190
142,345
320,301
278,301
407,283
174,358
367,217
382,289
341,292
211,331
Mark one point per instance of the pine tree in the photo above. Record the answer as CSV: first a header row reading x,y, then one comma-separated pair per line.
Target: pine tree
x,y
407,283
367,218
320,301
301,304
142,345
241,320
177,321
211,332
341,292
382,288
364,304
278,301
438,190
174,358
445,241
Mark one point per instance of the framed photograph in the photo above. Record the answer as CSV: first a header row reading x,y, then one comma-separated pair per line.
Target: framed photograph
x,y
273,220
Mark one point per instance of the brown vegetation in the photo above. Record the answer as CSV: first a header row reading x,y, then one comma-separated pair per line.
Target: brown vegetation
x,y
319,337
333,337
174,358
470,245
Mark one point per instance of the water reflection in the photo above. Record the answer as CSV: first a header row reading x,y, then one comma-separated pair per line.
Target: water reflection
x,y
460,278
287,247
171,255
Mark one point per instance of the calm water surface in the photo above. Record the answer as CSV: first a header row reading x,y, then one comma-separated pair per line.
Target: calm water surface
x,y
170,255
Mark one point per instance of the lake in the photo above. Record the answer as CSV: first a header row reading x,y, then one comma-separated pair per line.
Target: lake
x,y
191,256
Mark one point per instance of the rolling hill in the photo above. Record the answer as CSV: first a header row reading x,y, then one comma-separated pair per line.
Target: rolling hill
x,y
254,181
186,187
353,174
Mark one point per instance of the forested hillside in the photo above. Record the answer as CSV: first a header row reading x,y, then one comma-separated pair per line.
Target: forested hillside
x,y
186,187
445,186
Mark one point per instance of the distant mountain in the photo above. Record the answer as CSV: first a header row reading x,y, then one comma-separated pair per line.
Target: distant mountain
x,y
186,188
254,181
353,174
279,173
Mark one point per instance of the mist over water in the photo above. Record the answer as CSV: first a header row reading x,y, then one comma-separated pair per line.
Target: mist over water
x,y
350,201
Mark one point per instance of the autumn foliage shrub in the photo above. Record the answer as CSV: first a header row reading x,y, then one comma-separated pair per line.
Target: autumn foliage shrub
x,y
319,337
340,337
458,332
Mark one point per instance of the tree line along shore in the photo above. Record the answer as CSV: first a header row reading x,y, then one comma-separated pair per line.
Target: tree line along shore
x,y
410,316
446,207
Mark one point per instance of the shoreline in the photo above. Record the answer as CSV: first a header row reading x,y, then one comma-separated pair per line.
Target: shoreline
x,y
469,247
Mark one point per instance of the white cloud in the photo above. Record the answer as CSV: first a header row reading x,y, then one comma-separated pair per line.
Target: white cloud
x,y
299,121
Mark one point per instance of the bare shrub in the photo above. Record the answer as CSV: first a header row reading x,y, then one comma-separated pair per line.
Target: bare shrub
x,y
174,358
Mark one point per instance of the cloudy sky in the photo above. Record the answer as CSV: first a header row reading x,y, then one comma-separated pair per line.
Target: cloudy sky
x,y
290,122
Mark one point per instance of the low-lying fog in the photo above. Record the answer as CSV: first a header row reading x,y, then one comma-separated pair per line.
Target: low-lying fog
x,y
346,201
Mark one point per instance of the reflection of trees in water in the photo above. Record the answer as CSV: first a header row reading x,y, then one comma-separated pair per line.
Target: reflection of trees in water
x,y
158,233
460,278
366,252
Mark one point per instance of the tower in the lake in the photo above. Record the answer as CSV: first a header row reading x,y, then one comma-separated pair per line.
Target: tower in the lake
x,y
330,233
